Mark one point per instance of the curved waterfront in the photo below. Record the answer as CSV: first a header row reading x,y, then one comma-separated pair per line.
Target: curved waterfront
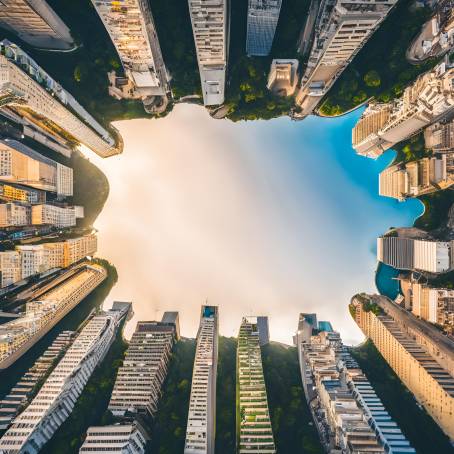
x,y
275,217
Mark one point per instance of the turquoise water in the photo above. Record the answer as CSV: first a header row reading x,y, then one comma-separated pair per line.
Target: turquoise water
x,y
386,281
260,218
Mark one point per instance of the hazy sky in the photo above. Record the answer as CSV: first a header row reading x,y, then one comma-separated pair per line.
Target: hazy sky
x,y
264,218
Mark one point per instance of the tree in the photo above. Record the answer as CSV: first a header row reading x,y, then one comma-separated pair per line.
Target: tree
x,y
372,78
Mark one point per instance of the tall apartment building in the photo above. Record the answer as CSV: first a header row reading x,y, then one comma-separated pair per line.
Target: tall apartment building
x,y
45,311
428,100
45,214
255,433
132,30
416,178
20,164
210,25
439,137
200,432
117,438
348,414
28,91
137,389
36,23
30,260
341,30
419,254
430,383
17,193
14,215
262,18
34,427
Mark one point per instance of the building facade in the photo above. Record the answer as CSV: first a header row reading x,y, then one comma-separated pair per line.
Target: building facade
x,y
430,383
132,30
210,26
117,438
20,164
428,100
349,416
17,193
200,432
254,433
36,23
341,30
413,254
137,389
416,178
262,18
14,215
28,91
34,427
19,335
439,137
45,214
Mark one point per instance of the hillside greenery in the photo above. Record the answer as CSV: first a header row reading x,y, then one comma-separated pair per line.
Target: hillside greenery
x,y
381,70
291,419
169,429
419,428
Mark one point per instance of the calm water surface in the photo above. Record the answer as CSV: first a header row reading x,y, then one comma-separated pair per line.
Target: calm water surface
x,y
272,218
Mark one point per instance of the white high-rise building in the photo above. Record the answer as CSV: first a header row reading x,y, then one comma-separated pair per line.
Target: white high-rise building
x,y
429,99
131,27
21,165
115,439
14,215
137,389
35,426
202,405
28,91
262,18
406,253
36,23
210,25
10,268
46,214
342,28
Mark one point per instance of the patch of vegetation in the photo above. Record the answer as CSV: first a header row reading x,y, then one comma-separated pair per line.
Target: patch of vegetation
x,y
436,208
91,188
419,428
380,69
411,149
225,396
91,406
169,430
291,419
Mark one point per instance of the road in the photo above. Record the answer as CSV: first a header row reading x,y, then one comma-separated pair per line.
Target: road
x,y
306,35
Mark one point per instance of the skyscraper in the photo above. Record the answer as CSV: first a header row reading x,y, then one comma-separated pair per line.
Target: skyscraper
x,y
412,361
53,404
28,91
137,389
406,252
341,29
131,27
428,100
255,433
22,165
210,25
36,23
202,404
262,18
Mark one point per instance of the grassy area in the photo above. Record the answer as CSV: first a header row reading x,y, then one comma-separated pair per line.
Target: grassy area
x,y
380,69
225,396
290,416
419,428
169,429
91,406
436,206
